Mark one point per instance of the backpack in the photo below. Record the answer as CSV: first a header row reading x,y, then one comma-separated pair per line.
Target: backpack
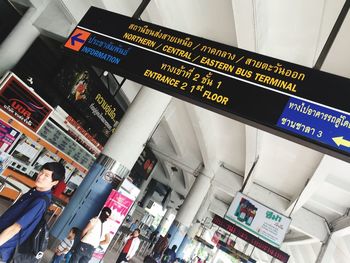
x,y
166,259
32,249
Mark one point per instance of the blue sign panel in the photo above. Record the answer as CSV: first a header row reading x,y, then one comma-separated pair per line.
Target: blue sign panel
x,y
320,123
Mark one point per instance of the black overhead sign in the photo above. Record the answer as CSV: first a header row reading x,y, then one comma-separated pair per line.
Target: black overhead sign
x,y
251,239
305,105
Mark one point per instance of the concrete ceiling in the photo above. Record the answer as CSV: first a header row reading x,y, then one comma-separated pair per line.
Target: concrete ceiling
x,y
311,187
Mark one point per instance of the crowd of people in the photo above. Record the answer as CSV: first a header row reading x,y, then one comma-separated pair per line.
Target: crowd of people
x,y
158,245
20,221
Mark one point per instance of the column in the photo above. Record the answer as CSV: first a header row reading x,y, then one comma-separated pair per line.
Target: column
x,y
19,40
142,190
165,219
148,195
189,209
194,228
118,157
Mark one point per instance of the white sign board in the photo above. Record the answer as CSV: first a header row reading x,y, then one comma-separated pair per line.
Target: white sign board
x,y
258,219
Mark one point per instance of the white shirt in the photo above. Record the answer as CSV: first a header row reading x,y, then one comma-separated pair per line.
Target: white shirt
x,y
65,244
134,246
95,235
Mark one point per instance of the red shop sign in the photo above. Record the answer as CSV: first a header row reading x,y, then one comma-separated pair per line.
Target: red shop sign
x,y
23,104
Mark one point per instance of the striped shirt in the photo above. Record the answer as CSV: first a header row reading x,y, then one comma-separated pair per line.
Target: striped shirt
x,y
65,244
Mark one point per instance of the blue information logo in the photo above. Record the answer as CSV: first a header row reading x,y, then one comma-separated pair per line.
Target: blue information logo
x,y
317,122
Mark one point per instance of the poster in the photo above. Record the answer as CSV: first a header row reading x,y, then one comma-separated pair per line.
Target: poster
x,y
258,219
8,136
86,99
120,206
5,158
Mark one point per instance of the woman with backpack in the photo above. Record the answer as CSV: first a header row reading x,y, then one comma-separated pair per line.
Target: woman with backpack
x,y
96,233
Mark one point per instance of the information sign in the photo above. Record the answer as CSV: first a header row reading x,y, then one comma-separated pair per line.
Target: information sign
x,y
252,88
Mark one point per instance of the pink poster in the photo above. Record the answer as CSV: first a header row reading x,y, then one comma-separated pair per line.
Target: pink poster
x,y
120,206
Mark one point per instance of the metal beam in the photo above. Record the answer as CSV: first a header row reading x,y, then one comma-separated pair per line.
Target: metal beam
x,y
137,14
343,186
303,220
297,241
227,181
297,255
251,156
332,35
174,159
325,203
193,112
327,251
317,179
341,227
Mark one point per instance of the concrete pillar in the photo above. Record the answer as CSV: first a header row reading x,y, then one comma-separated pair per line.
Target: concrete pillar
x,y
118,157
181,249
189,209
165,220
142,190
143,186
194,228
151,188
19,40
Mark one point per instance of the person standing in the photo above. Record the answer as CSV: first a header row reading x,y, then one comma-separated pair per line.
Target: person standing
x,y
95,234
130,247
153,238
134,225
169,255
64,247
160,246
20,220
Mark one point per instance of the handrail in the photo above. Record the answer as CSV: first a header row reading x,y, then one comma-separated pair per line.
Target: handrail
x,y
58,206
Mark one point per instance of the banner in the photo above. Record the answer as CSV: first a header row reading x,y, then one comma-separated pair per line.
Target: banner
x,y
5,158
8,136
251,239
120,206
258,219
23,104
72,85
87,100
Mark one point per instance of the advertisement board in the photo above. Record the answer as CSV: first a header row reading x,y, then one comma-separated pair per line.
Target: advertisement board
x,y
258,219
86,99
295,102
22,103
8,136
74,86
120,206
